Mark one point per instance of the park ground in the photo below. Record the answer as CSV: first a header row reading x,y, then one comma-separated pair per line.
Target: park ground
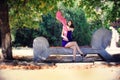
x,y
23,68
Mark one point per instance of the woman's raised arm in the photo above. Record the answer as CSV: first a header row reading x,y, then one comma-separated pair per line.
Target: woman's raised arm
x,y
60,17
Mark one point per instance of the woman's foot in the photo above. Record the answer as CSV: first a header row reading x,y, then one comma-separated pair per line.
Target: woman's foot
x,y
83,55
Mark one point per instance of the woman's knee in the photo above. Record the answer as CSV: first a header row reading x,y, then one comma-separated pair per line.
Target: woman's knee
x,y
70,44
73,47
74,42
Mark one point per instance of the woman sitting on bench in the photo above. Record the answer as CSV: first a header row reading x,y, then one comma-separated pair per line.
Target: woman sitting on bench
x,y
66,35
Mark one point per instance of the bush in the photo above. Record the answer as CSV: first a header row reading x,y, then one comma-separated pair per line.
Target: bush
x,y
25,36
51,29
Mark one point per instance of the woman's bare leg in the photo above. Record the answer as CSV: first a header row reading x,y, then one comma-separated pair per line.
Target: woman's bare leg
x,y
75,48
78,48
74,52
74,44
71,45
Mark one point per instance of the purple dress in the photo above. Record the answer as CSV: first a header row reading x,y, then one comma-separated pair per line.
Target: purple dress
x,y
69,36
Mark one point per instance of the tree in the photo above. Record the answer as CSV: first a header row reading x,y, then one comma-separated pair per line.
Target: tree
x,y
5,30
16,6
105,10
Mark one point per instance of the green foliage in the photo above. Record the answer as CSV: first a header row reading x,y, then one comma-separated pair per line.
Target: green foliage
x,y
105,10
25,16
31,13
94,25
51,29
28,12
25,36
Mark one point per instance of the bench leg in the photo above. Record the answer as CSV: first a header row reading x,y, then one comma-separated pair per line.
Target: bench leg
x,y
105,55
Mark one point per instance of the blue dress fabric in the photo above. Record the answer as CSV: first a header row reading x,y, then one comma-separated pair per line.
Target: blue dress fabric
x,y
69,36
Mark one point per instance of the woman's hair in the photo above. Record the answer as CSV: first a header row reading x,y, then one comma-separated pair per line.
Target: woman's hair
x,y
71,26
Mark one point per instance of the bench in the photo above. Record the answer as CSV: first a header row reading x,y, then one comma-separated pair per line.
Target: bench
x,y
100,40
42,50
67,51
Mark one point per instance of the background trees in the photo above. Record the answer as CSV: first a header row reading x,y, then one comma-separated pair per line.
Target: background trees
x,y
105,10
39,14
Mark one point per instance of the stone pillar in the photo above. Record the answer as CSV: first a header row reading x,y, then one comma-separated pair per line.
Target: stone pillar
x,y
101,38
40,49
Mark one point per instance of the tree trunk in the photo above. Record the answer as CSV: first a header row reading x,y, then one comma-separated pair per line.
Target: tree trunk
x,y
5,31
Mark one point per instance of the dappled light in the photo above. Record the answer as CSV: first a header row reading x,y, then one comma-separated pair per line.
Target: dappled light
x,y
32,32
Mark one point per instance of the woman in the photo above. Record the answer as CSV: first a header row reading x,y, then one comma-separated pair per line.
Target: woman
x,y
67,35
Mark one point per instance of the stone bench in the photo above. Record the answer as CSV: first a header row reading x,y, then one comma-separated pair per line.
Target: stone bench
x,y
100,40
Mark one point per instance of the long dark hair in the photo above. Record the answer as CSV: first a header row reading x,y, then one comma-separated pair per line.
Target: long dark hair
x,y
71,26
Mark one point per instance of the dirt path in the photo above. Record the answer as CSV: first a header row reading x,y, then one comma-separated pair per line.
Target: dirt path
x,y
65,71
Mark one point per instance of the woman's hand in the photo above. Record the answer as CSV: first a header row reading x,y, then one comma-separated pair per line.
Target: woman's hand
x,y
65,38
70,29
